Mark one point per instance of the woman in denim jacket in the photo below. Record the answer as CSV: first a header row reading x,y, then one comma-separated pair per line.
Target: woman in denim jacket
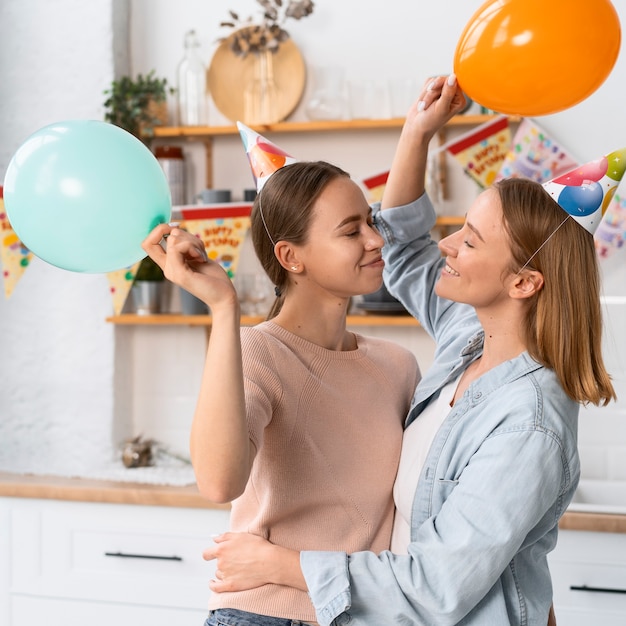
x,y
491,464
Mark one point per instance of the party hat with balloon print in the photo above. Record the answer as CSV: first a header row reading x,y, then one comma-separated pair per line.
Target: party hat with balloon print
x,y
264,156
586,191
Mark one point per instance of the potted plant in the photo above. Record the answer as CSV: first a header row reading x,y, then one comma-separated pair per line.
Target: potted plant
x,y
137,105
148,288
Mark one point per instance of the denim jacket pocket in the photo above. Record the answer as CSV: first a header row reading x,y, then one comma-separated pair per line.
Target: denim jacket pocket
x,y
446,486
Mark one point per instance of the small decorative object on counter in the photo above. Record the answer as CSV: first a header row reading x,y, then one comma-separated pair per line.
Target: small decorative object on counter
x,y
137,452
172,160
192,92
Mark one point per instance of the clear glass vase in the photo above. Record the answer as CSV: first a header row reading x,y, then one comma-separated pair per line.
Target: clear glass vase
x,y
260,98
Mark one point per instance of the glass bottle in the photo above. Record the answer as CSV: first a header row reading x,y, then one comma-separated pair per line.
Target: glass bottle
x,y
260,96
192,96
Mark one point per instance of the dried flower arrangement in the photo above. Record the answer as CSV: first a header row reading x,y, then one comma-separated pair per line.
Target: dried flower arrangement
x,y
251,38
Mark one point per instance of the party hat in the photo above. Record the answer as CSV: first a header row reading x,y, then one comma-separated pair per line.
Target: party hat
x,y
586,191
264,156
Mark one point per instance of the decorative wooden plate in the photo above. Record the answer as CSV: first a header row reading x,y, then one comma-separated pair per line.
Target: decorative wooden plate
x,y
228,75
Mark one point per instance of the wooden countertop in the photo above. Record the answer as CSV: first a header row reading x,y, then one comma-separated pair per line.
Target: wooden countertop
x,y
594,522
87,490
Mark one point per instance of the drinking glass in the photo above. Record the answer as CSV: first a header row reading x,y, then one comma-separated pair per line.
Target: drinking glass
x,y
253,291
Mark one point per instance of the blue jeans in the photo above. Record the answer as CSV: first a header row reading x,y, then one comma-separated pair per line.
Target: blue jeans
x,y
233,617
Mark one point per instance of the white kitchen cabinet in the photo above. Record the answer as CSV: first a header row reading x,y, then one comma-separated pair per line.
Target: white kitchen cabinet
x,y
97,563
589,578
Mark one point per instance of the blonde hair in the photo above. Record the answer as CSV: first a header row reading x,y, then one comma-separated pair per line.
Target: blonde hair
x,y
564,321
282,211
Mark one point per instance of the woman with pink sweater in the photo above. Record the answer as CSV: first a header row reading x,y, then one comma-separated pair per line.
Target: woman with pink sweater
x,y
299,421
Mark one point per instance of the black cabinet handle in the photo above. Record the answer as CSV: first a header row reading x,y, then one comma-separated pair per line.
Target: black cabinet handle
x,y
126,555
596,589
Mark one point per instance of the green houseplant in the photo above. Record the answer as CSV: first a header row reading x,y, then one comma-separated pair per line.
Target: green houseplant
x,y
137,105
148,288
148,270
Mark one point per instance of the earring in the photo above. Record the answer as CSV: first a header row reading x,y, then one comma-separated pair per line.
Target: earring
x,y
294,267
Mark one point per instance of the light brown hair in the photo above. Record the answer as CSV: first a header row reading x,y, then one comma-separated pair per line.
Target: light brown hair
x,y
564,321
282,211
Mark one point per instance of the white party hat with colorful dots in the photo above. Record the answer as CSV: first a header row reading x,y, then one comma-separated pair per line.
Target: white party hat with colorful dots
x,y
586,191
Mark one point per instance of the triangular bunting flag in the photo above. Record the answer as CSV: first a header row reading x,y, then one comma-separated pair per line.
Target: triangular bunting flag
x,y
482,151
222,230
535,155
376,186
15,256
120,283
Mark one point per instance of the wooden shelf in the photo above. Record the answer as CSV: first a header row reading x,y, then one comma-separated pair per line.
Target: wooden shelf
x,y
206,134
197,132
169,319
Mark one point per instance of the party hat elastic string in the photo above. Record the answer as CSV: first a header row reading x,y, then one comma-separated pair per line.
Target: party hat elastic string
x,y
267,230
536,252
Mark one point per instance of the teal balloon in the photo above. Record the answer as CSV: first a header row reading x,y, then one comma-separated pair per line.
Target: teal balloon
x,y
83,194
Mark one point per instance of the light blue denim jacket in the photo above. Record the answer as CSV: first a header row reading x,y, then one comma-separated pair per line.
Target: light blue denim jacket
x,y
499,474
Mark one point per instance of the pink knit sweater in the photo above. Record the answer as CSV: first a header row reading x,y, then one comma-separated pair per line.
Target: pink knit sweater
x,y
327,426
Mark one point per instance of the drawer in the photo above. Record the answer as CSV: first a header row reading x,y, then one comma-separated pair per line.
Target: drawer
x,y
121,553
589,577
588,586
29,610
577,617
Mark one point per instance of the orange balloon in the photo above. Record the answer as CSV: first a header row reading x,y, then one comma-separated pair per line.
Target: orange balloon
x,y
537,57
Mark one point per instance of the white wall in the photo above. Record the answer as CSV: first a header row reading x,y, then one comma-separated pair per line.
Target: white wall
x,y
57,355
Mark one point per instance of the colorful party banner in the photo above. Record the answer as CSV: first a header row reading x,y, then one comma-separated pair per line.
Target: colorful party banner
x,y
535,155
376,186
120,283
15,256
482,151
222,229
611,232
